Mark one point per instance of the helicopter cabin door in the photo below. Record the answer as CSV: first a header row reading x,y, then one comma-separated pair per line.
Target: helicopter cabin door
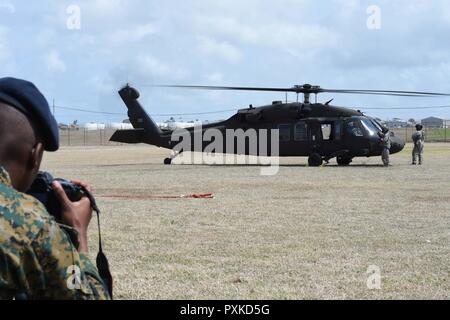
x,y
315,136
325,136
301,138
358,131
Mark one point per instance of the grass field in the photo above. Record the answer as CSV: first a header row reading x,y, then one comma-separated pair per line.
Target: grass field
x,y
304,233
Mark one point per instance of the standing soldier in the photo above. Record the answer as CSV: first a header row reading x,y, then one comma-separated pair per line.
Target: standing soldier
x,y
418,139
385,143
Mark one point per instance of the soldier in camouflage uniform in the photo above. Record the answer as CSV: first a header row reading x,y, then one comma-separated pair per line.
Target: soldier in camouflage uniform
x,y
385,143
37,259
418,139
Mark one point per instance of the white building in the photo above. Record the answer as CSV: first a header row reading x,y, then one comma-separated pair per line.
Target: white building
x,y
92,126
119,126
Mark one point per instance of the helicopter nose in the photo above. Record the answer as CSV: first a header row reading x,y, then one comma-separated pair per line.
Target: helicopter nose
x,y
397,145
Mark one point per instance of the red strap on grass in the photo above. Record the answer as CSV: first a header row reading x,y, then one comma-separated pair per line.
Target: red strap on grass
x,y
190,196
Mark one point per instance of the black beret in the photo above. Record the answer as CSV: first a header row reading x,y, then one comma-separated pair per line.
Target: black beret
x,y
25,97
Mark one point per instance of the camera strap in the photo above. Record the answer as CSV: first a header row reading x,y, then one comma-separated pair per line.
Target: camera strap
x,y
101,261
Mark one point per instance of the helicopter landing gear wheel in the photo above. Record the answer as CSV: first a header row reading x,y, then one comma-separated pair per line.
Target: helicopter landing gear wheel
x,y
174,154
315,160
344,161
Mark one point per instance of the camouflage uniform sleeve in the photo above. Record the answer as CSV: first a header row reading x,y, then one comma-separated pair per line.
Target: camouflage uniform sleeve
x,y
59,269
96,283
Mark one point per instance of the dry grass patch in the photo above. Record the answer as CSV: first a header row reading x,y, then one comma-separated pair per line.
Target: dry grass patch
x,y
304,233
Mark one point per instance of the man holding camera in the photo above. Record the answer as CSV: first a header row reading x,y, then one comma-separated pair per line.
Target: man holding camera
x,y
37,258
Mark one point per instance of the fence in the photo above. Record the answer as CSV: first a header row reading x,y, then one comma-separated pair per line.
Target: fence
x,y
434,134
84,137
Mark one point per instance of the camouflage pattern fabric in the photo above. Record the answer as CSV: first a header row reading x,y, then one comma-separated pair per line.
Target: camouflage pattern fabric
x,y
37,259
418,139
385,142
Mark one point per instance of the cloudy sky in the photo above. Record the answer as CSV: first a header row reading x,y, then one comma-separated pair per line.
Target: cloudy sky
x,y
335,43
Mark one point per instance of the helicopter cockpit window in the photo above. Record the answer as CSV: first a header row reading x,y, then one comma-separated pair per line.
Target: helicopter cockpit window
x,y
353,128
376,124
285,132
301,132
369,126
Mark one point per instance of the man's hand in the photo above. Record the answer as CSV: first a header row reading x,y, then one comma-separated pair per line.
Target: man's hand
x,y
75,214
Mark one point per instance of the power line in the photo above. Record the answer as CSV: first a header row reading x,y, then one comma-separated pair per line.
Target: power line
x,y
233,110
193,114
404,108
89,111
153,115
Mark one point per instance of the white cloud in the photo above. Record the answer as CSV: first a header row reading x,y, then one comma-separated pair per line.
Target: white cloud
x,y
195,41
227,26
214,77
290,37
136,33
7,7
54,62
148,66
144,30
4,49
103,86
223,50
107,7
45,36
152,65
445,5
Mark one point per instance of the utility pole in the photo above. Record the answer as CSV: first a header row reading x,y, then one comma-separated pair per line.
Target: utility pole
x,y
445,130
53,107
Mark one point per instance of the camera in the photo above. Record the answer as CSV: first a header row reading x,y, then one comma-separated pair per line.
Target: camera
x,y
42,190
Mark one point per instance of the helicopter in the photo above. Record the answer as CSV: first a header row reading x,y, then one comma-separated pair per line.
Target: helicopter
x,y
319,131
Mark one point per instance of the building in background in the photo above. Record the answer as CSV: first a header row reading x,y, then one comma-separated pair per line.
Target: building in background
x,y
396,123
173,124
119,126
433,122
65,127
93,126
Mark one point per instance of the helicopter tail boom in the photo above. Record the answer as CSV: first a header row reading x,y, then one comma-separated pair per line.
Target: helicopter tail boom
x,y
145,129
128,136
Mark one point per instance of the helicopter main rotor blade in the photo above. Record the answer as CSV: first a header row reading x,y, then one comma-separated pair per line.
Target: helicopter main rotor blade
x,y
313,90
388,92
375,93
227,88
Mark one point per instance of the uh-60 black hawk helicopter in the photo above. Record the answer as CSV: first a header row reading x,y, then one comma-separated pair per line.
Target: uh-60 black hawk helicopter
x,y
314,130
